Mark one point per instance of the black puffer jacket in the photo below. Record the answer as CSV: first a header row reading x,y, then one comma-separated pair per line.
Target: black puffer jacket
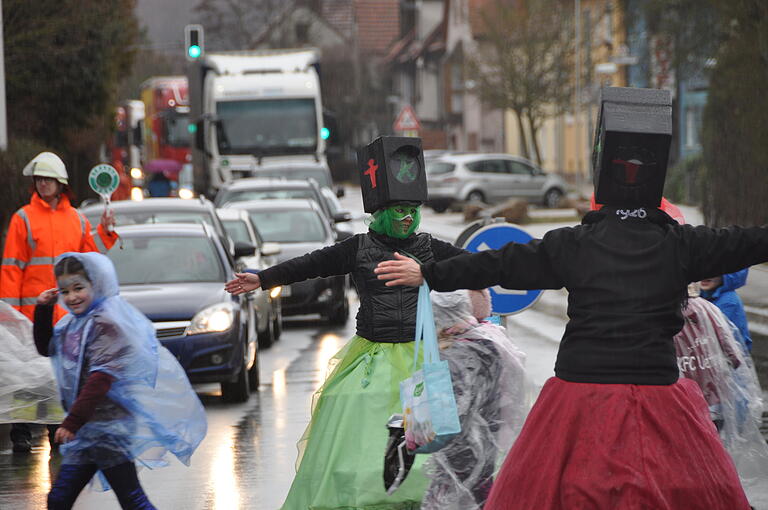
x,y
386,314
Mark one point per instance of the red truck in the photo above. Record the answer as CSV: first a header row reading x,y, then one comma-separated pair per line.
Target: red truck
x,y
167,158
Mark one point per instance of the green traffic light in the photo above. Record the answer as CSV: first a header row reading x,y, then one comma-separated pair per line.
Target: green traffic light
x,y
325,133
192,128
194,51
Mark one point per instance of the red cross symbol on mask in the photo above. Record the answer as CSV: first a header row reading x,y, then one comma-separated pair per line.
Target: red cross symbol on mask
x,y
630,169
371,172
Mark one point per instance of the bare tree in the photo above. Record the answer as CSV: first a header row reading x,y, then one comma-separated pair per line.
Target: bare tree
x,y
236,24
524,62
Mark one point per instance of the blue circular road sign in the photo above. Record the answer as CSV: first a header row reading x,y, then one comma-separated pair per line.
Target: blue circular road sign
x,y
492,237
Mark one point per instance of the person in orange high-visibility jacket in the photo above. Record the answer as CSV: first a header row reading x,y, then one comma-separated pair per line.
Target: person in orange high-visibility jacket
x,y
45,228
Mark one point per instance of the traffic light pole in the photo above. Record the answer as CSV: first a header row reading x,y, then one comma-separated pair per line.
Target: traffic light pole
x,y
3,122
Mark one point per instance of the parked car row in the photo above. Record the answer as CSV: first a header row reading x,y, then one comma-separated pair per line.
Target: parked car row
x,y
175,256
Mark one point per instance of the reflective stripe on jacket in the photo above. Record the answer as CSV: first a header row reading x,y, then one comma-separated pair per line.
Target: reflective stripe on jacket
x,y
37,234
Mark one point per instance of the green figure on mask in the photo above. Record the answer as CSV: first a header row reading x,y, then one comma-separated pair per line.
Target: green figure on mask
x,y
398,220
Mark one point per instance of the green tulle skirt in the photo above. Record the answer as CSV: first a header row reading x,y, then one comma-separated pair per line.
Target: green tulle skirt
x,y
341,454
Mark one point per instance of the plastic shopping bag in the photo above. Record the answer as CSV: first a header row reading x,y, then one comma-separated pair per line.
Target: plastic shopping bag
x,y
429,407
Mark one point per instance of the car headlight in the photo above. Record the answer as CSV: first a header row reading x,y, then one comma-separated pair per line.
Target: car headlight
x,y
214,319
274,293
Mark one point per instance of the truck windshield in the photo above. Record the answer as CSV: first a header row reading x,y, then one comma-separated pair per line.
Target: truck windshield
x,y
177,130
267,126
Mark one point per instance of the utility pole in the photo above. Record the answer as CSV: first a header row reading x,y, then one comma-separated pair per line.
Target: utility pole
x,y
577,94
3,123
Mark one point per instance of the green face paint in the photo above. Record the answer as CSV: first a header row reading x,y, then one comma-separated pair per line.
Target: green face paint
x,y
399,220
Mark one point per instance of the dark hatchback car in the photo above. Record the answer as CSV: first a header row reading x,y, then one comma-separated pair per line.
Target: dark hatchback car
x,y
299,227
163,210
175,274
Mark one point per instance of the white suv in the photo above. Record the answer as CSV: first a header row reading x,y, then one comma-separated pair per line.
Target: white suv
x,y
489,178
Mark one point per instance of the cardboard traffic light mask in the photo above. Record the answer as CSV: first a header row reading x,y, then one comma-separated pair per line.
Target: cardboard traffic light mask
x,y
391,170
631,151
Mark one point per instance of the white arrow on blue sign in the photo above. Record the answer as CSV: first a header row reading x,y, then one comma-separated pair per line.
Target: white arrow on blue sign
x,y
492,237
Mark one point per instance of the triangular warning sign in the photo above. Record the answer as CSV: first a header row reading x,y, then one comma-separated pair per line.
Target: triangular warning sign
x,y
406,120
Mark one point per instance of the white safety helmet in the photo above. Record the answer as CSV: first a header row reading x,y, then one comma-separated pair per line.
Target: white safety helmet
x,y
47,164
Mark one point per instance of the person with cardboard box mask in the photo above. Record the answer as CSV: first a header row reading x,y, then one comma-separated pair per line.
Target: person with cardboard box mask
x,y
616,427
340,463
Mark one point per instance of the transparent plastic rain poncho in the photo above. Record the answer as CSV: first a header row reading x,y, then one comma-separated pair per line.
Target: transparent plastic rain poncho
x,y
493,396
710,353
150,409
28,391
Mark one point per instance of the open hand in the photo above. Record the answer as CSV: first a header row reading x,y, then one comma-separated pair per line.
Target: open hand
x,y
108,220
401,271
63,435
47,296
243,282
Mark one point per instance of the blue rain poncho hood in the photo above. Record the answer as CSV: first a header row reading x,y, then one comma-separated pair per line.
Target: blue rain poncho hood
x,y
150,407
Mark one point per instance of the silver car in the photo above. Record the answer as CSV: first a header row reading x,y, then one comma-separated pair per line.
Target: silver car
x,y
489,178
266,304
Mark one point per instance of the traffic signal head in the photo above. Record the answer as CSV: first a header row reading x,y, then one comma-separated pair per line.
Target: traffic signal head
x,y
391,170
193,41
634,133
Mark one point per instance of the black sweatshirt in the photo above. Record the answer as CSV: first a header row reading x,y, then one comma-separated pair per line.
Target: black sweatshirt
x,y
626,277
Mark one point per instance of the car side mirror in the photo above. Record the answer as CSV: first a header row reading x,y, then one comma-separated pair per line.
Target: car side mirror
x,y
340,191
244,249
270,249
342,216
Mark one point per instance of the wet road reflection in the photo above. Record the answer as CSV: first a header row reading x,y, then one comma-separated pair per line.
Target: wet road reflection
x,y
247,460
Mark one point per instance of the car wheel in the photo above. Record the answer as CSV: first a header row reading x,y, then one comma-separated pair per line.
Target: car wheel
x,y
440,208
267,337
254,377
277,326
338,316
552,198
476,196
240,390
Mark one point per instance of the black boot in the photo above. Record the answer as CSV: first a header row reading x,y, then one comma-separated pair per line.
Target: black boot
x,y
21,437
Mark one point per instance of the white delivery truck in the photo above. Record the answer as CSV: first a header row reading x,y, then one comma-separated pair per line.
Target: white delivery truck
x,y
255,109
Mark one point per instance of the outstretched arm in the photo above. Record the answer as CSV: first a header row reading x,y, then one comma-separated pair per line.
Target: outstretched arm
x,y
514,266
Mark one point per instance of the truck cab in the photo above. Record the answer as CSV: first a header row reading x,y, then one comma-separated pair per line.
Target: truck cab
x,y
259,108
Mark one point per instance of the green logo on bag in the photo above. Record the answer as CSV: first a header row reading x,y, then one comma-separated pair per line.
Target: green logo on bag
x,y
418,390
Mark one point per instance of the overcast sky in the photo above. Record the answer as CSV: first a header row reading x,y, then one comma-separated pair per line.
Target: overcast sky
x,y
165,21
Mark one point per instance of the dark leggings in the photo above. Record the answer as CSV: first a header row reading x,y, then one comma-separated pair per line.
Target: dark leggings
x,y
73,478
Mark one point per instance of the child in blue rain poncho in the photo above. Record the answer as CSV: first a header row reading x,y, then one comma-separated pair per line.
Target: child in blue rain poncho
x,y
127,398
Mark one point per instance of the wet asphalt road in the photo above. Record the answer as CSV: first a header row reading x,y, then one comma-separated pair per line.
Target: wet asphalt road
x,y
245,461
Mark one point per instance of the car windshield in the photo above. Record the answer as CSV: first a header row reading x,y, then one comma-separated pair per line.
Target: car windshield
x,y
167,259
439,167
302,174
289,226
261,194
238,231
267,126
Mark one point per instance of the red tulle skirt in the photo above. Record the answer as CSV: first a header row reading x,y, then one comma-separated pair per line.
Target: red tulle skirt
x,y
618,447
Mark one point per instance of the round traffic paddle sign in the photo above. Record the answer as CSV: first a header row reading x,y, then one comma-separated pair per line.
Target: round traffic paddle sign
x,y
103,179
